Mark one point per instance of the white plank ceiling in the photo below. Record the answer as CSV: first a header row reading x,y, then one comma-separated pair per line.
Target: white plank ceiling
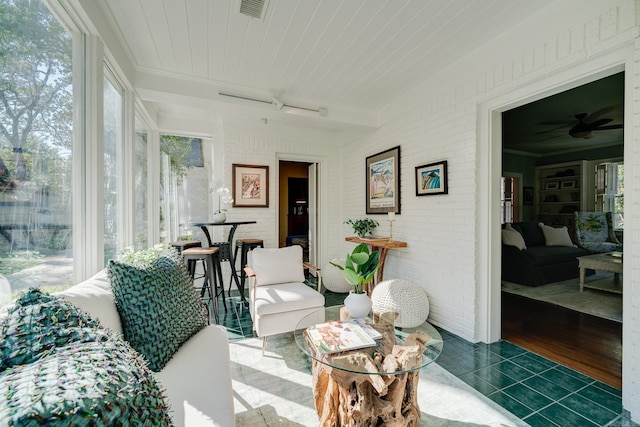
x,y
343,55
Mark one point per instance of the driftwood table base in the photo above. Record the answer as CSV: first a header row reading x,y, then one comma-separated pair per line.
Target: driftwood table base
x,y
344,398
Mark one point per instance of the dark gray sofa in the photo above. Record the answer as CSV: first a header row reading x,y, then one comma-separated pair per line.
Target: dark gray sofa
x,y
538,264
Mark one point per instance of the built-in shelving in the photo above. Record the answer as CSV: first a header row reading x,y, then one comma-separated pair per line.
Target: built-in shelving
x,y
560,192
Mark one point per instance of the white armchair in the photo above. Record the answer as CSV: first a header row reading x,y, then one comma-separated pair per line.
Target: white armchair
x,y
279,298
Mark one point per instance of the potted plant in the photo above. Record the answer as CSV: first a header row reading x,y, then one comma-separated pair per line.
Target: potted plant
x,y
224,197
362,227
359,268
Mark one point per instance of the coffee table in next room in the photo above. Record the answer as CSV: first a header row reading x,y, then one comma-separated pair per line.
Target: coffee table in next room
x,y
610,261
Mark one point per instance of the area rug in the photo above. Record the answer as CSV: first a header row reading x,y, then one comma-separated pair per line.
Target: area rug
x,y
275,390
567,294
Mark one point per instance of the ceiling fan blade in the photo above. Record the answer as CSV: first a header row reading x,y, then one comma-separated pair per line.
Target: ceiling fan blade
x,y
557,122
562,128
601,112
609,127
598,123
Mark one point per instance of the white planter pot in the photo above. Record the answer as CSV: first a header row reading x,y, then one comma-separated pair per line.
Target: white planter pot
x,y
219,218
358,305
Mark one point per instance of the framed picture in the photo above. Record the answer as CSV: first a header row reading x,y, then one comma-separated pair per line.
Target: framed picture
x,y
568,184
552,185
383,182
250,186
527,196
432,179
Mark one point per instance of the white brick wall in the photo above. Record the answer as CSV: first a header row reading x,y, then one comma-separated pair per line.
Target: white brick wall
x,y
257,150
440,120
441,231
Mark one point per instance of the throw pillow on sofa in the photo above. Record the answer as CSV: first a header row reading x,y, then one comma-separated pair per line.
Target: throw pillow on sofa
x,y
61,368
38,323
158,306
512,237
83,383
556,236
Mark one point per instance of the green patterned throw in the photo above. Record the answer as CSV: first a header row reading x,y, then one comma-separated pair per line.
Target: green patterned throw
x,y
38,324
61,369
158,306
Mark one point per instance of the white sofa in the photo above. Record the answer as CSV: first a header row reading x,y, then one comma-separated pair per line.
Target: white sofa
x,y
198,377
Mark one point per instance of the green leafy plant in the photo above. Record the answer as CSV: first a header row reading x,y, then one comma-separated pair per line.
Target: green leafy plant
x,y
144,256
362,226
359,267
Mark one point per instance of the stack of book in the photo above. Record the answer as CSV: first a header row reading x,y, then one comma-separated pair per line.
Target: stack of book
x,y
342,335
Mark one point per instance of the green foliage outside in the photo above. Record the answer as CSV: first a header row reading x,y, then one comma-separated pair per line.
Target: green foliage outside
x,y
19,261
178,148
35,90
144,256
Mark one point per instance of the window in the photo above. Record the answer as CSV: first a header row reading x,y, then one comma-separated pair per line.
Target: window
x,y
141,187
610,191
36,130
113,143
509,200
175,155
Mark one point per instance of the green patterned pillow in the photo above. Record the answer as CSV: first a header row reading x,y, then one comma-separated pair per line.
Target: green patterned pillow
x,y
83,384
158,306
40,323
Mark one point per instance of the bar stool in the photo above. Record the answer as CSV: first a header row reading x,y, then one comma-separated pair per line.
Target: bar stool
x,y
181,245
245,245
186,244
211,266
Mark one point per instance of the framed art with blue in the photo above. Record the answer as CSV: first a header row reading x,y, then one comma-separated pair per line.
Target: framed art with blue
x,y
432,179
383,182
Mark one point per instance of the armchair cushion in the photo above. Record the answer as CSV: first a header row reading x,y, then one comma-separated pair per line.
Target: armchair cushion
x,y
286,297
281,265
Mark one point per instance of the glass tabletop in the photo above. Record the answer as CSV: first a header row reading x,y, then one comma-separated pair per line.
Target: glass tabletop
x,y
390,335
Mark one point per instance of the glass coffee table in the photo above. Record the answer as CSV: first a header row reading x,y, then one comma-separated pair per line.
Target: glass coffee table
x,y
373,385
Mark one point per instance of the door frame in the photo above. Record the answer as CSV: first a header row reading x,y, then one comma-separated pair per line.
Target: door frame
x,y
321,197
489,159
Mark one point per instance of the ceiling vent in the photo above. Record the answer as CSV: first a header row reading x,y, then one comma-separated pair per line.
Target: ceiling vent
x,y
253,8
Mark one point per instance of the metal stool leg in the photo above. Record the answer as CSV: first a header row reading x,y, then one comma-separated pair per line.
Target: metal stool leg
x,y
218,268
235,258
210,280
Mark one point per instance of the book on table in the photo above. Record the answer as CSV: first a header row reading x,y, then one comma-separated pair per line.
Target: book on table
x,y
338,336
370,330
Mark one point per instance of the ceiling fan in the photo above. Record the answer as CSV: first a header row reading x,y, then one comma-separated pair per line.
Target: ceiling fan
x,y
583,129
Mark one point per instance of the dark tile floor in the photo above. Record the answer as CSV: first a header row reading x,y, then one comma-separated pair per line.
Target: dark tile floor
x,y
535,389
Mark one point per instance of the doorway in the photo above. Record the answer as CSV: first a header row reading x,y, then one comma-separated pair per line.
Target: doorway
x,y
583,124
297,202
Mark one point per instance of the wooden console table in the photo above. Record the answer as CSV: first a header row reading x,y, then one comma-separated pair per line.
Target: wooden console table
x,y
378,244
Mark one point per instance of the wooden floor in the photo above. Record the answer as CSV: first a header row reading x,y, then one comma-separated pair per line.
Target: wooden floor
x,y
588,344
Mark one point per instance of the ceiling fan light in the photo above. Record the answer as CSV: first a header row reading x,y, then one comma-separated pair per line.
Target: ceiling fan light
x,y
581,133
